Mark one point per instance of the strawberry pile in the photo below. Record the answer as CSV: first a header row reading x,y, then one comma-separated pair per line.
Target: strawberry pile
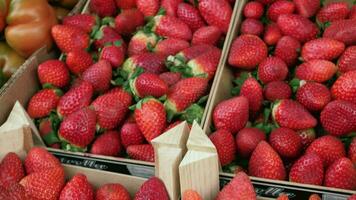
x,y
293,111
127,77
42,177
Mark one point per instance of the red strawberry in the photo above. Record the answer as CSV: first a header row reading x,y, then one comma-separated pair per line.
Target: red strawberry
x,y
190,16
316,70
206,35
333,12
205,65
103,8
277,90
225,146
308,136
279,8
239,188
107,144
322,48
341,174
252,90
282,196
171,27
69,38
79,135
170,46
252,26
153,188
142,152
53,72
112,191
171,6
313,96
232,114
107,35
11,170
86,22
290,114
272,34
17,192
191,195
343,31
122,95
39,159
148,84
77,188
247,51
216,17
344,87
352,14
114,54
78,61
150,62
140,41
353,197
125,4
287,49
266,163
48,134
352,151
247,139
170,78
298,27
193,52
253,9
338,117
130,134
328,147
266,2
347,61
308,169
128,20
148,7
43,102
286,142
272,69
307,8
99,75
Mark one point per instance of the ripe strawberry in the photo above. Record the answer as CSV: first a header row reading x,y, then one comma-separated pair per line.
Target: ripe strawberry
x,y
247,139
206,35
78,61
191,195
344,87
16,192
53,72
282,196
333,12
142,152
204,65
150,62
225,146
170,78
39,159
298,27
272,69
112,191
170,46
272,34
107,35
128,20
114,54
338,117
171,27
343,31
149,8
253,9
11,170
86,22
43,102
192,52
148,84
107,144
69,38
140,41
287,49
77,188
247,52
352,151
328,148
125,4
279,8
316,70
341,174
266,163
122,95
290,114
231,114
286,142
47,131
240,187
99,75
153,188
314,197
307,8
171,6
313,96
103,8
266,2
308,169
347,61
190,16
216,17
322,48
252,90
308,136
277,90
130,134
252,26
352,14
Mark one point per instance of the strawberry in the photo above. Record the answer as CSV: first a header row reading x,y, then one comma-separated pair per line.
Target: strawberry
x,y
333,12
192,52
122,95
307,135
149,8
103,8
239,188
307,8
252,90
170,78
11,170
352,197
287,49
86,22
298,27
78,61
191,195
343,31
316,70
125,4
277,90
53,72
47,130
328,148
130,134
153,188
252,26
107,35
99,75
272,34
266,163
150,62
352,14
272,69
76,98
216,17
150,117
190,16
79,135
114,54
344,87
314,197
338,117
148,84
77,188
308,169
247,139
322,48
206,35
282,196
140,41
247,51
128,20
107,144
313,96
225,146
69,38
170,46
352,151
171,27
142,152
286,142
279,8
341,174
46,184
171,6
43,102
290,114
231,114
17,192
253,9
112,191
39,159
347,61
